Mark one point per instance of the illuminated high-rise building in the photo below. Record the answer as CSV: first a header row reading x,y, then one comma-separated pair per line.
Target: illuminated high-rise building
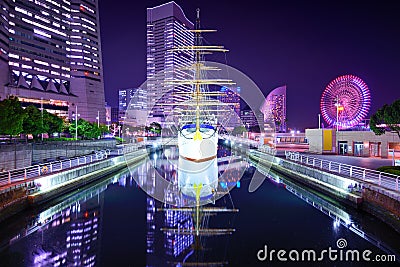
x,y
167,27
230,96
251,118
50,55
132,99
132,104
275,107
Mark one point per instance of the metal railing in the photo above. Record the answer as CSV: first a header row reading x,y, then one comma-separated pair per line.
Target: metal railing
x,y
17,175
383,179
267,149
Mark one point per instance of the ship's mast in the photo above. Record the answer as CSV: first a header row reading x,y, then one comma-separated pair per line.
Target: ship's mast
x,y
197,135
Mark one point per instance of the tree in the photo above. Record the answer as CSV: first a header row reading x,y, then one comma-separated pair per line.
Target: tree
x,y
11,116
238,130
34,122
155,127
386,118
104,129
54,123
86,130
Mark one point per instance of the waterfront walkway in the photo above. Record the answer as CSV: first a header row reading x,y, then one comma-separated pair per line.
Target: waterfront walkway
x,y
368,163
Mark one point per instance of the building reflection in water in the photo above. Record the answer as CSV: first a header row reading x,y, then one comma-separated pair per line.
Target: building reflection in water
x,y
66,237
67,233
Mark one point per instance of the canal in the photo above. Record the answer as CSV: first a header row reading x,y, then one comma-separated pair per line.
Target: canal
x,y
115,223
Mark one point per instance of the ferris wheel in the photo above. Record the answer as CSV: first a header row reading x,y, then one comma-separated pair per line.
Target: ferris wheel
x,y
345,102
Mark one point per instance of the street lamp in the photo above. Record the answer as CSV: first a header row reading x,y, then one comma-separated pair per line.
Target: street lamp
x,y
319,121
338,107
76,122
41,110
98,119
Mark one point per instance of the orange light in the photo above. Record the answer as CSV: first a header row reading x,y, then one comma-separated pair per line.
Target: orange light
x,y
341,108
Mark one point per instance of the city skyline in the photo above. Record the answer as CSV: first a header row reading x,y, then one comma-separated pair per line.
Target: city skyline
x,y
302,45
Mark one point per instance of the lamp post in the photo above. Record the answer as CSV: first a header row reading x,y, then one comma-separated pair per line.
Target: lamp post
x,y
41,110
319,121
76,122
337,105
98,122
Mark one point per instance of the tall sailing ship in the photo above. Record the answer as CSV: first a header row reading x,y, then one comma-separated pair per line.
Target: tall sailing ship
x,y
198,125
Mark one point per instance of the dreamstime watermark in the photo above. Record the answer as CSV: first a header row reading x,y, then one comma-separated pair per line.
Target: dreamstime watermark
x,y
328,254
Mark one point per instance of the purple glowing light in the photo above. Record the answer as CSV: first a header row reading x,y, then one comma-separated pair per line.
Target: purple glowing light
x,y
347,96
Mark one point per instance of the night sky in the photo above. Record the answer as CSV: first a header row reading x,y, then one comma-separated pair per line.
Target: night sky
x,y
303,44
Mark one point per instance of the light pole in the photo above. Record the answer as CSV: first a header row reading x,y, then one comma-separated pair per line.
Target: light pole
x,y
98,122
319,121
337,105
76,122
41,110
119,131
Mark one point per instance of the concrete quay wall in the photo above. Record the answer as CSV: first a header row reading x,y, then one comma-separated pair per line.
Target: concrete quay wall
x,y
15,156
34,192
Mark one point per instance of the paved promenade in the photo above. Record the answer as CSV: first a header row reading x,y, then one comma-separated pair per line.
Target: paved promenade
x,y
368,163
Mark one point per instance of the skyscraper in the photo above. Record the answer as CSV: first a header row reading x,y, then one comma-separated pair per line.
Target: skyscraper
x,y
132,98
167,27
132,105
230,96
275,107
50,55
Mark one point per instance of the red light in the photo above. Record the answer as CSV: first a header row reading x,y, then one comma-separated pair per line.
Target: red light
x,y
86,73
82,8
86,214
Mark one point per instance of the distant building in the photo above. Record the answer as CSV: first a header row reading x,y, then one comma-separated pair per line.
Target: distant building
x,y
108,114
114,115
275,108
132,103
167,27
132,99
251,119
355,143
230,96
50,55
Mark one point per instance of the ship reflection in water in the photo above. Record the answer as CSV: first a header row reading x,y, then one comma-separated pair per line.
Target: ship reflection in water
x,y
169,180
182,244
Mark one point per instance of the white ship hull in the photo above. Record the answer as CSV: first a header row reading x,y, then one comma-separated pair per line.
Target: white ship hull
x,y
198,170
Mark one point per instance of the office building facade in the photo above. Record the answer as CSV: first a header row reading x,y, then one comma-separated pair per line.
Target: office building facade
x,y
274,108
167,27
132,99
230,96
50,55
